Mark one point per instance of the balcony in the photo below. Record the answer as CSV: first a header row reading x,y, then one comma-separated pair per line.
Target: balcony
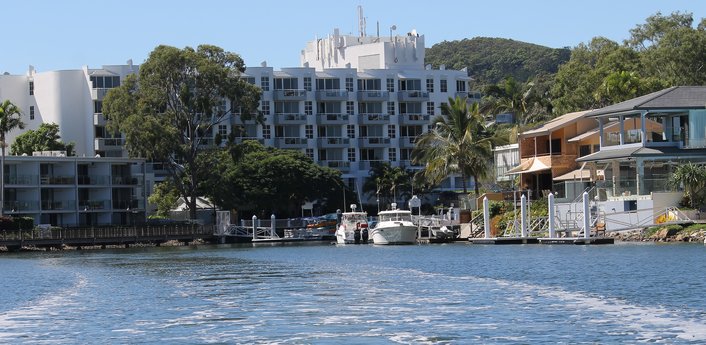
x,y
57,180
333,142
240,140
289,95
58,205
374,141
407,142
409,119
413,96
106,144
338,165
287,118
20,206
92,205
331,95
332,119
93,180
128,205
22,180
373,95
374,118
126,181
291,143
99,119
98,93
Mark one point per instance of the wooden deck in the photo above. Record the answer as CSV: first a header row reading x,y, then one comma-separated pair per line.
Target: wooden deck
x,y
108,236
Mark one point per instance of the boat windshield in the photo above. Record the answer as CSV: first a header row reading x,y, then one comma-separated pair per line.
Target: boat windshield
x,y
396,216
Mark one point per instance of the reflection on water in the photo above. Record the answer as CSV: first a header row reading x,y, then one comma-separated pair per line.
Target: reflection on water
x,y
456,293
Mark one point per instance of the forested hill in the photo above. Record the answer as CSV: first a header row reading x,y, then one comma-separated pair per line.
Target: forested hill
x,y
490,60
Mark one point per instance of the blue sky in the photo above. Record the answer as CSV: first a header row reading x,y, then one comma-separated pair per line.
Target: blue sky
x,y
55,35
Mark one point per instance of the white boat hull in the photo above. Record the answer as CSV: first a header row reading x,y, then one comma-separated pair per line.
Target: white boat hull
x,y
395,234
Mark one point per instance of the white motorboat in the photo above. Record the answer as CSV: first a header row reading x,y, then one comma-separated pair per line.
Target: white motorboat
x,y
394,227
353,227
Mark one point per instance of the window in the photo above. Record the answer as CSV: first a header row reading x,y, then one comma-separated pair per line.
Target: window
x,y
374,131
104,82
349,84
308,108
392,131
249,80
286,107
584,150
31,88
392,154
556,146
430,108
309,153
350,108
223,130
406,154
266,132
328,84
443,87
31,112
265,83
369,155
286,83
287,131
351,154
97,107
330,131
351,131
460,86
322,155
430,85
307,83
309,131
410,107
391,108
370,108
328,107
369,84
410,84
390,85
410,131
265,107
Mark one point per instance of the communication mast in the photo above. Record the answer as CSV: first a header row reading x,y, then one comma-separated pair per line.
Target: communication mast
x,y
361,21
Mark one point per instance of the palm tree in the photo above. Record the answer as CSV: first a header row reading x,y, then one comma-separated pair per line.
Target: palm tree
x,y
693,178
9,120
385,182
457,144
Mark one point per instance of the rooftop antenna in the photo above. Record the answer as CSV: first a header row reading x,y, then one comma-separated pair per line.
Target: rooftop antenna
x,y
361,21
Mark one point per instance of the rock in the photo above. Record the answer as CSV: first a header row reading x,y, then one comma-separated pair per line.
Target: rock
x,y
664,234
682,238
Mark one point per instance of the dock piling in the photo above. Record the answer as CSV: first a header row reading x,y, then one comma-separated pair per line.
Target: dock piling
x,y
486,217
550,214
523,215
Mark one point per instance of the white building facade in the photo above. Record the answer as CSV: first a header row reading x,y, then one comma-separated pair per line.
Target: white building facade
x,y
354,101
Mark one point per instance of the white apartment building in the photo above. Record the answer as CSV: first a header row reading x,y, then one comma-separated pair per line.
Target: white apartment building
x,y
354,101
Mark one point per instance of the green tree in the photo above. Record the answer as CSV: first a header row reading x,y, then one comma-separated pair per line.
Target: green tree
x,y
44,138
649,34
9,119
266,180
181,96
165,196
387,183
457,144
692,177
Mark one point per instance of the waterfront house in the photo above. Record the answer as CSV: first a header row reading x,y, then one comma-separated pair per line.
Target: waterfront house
x,y
548,156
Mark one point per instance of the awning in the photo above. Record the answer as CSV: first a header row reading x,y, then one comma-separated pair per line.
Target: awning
x,y
579,174
531,165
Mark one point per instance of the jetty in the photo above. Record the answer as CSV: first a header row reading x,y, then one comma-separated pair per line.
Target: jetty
x,y
59,238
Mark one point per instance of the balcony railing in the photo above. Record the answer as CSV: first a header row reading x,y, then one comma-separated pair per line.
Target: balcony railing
x,y
373,95
58,205
20,205
333,141
129,205
337,164
368,118
290,118
332,95
289,142
109,143
91,205
329,117
126,180
414,118
93,180
374,141
23,180
413,95
289,94
58,180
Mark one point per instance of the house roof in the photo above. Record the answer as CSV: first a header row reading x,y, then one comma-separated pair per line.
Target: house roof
x,y
555,124
676,97
592,132
579,174
643,152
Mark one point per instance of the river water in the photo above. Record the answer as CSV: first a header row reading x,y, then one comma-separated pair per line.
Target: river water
x,y
325,294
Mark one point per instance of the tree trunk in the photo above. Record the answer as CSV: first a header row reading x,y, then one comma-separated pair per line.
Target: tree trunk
x,y
475,185
463,181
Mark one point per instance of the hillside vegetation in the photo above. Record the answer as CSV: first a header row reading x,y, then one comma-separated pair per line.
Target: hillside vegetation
x,y
490,60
